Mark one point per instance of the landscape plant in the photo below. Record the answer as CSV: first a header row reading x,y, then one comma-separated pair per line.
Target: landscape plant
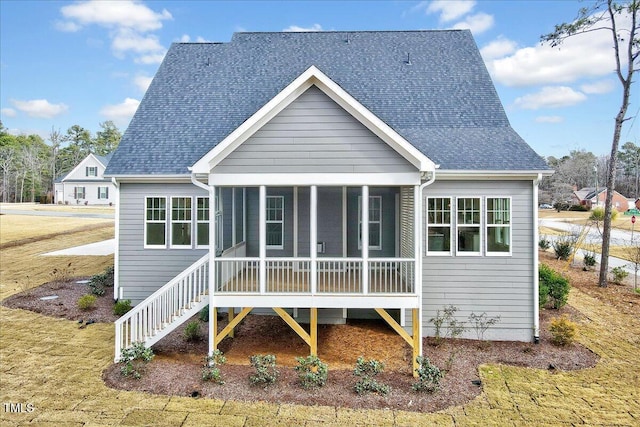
x,y
121,307
312,372
482,322
563,331
563,246
555,285
266,372
589,260
429,376
367,370
544,243
192,331
203,315
60,275
86,302
619,274
99,282
211,369
446,320
135,359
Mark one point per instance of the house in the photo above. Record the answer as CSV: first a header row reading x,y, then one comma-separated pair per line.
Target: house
x,y
591,197
323,176
86,184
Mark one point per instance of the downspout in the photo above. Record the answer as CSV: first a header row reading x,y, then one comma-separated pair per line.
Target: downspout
x,y
536,237
116,253
419,247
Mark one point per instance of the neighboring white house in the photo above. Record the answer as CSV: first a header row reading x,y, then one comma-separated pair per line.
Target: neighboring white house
x,y
86,184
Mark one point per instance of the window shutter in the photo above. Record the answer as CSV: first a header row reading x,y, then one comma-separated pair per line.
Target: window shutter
x,y
75,192
107,193
86,171
84,192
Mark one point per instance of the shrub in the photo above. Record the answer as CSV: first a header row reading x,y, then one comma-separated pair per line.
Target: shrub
x,y
563,331
454,327
266,372
121,307
619,274
578,208
543,294
367,370
563,248
134,360
555,285
99,282
544,244
312,372
203,315
481,322
589,260
597,214
86,302
429,376
211,368
192,331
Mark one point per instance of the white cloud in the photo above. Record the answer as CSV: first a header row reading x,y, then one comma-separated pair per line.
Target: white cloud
x,y
185,38
155,58
142,82
598,88
549,119
201,39
295,28
127,40
67,26
113,14
498,48
8,112
40,108
550,97
449,10
478,23
121,113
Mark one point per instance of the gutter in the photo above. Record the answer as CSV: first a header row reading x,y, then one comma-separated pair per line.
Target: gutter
x,y
536,237
116,255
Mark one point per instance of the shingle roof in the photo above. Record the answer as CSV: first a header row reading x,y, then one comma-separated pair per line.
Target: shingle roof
x,y
432,87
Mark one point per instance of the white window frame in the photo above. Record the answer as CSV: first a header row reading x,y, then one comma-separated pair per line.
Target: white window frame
x,y
460,225
173,221
76,193
152,221
90,169
452,241
201,221
106,192
377,247
280,221
488,225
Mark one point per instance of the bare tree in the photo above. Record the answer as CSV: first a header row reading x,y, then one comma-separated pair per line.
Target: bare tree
x,y
606,15
7,155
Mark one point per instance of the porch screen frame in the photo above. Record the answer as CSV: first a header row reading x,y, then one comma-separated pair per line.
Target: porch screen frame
x,y
378,221
275,220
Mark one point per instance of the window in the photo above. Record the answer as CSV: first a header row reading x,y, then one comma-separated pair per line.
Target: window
x,y
375,222
499,225
103,193
78,193
468,226
439,225
91,171
202,221
181,221
275,222
155,218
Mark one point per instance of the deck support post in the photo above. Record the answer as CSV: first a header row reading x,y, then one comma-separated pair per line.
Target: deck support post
x,y
310,338
213,330
313,330
417,340
223,333
413,341
231,314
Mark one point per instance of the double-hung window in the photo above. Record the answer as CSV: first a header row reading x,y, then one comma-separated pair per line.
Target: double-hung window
x,y
439,225
375,222
78,193
181,222
498,225
103,193
155,219
202,221
275,222
91,171
468,225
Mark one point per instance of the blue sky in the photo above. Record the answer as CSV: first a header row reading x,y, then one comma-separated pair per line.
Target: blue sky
x,y
84,62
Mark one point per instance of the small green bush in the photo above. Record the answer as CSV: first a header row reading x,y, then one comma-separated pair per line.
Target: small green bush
x,y
312,372
619,274
121,307
99,282
589,260
367,370
211,369
543,294
447,319
563,331
265,367
203,315
597,214
134,360
563,248
544,244
482,322
578,208
192,331
86,302
429,376
557,286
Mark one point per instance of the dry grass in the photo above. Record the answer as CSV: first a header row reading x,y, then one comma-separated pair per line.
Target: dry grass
x,y
57,208
19,227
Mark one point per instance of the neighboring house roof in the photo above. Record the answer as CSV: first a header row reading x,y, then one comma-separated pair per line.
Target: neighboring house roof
x,y
102,159
431,87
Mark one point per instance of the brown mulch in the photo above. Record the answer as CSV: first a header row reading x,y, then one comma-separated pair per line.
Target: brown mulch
x,y
176,369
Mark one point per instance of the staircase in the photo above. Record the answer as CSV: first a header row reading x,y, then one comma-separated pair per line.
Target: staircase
x,y
165,309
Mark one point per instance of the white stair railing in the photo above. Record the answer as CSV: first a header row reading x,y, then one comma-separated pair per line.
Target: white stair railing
x,y
165,309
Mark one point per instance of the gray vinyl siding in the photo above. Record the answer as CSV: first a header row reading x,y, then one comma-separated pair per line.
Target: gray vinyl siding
x,y
498,285
142,271
314,135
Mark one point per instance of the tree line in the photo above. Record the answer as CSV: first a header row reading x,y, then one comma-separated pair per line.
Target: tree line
x,y
30,166
583,169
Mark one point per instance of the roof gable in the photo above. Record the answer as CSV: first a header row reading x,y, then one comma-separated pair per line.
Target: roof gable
x,y
91,160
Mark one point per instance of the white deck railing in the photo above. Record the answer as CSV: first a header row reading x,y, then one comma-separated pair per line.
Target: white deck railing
x,y
157,315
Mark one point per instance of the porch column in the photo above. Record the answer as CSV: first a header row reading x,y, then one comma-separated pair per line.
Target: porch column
x,y
212,268
262,275
417,274
365,239
313,236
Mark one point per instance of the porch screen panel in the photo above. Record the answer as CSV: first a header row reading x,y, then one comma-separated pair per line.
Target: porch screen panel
x,y
275,222
407,246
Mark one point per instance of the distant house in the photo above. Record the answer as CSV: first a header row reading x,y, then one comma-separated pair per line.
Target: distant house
x,y
323,175
590,198
86,184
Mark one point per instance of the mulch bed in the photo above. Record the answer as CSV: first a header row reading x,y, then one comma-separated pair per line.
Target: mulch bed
x,y
176,369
